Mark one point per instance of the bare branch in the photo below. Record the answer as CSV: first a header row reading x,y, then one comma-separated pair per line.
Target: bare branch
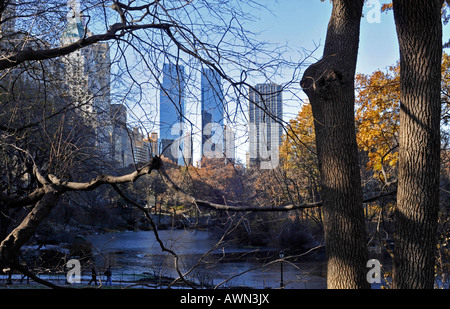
x,y
35,278
155,230
106,179
30,199
43,54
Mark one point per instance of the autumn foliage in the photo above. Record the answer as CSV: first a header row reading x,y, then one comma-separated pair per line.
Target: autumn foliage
x,y
377,118
298,157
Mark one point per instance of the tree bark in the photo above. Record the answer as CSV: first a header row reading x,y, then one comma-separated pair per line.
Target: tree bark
x,y
419,30
329,85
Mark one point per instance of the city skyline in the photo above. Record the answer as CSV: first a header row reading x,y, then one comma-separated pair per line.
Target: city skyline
x,y
77,29
216,137
378,50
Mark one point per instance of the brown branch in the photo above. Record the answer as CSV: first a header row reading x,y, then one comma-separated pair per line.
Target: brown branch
x,y
53,188
62,186
135,8
373,199
106,179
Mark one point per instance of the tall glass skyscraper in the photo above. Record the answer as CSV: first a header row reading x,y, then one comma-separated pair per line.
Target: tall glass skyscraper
x,y
265,109
212,114
173,130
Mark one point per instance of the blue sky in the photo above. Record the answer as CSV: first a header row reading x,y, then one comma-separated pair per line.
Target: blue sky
x,y
302,24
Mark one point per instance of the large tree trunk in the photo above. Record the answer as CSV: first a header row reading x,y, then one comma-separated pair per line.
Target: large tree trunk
x,y
329,85
419,30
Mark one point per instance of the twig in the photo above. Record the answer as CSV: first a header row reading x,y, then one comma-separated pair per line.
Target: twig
x,y
155,230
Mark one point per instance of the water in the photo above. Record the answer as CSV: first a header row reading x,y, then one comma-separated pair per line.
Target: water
x,y
220,264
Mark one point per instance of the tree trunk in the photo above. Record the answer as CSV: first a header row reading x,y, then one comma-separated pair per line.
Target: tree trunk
x,y
10,246
419,31
329,85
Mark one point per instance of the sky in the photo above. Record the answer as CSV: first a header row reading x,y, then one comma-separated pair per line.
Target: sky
x,y
302,26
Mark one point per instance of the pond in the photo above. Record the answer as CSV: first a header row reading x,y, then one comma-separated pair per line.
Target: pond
x,y
132,254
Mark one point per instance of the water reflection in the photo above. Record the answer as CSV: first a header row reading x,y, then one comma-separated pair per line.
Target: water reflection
x,y
215,264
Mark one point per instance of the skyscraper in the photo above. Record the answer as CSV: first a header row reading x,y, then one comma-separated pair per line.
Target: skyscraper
x,y
152,140
212,100
140,146
229,144
265,131
87,70
87,75
120,138
174,132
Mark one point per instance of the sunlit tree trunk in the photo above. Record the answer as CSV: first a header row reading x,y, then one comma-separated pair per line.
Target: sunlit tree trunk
x,y
329,84
419,30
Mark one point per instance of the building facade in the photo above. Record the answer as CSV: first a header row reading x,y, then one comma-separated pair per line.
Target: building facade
x,y
229,144
121,153
212,100
265,131
175,137
140,147
87,73
152,140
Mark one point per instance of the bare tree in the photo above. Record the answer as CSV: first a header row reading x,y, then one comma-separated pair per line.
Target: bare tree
x,y
194,34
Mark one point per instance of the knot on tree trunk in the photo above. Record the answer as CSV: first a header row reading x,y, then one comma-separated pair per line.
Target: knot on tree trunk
x,y
156,163
318,80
